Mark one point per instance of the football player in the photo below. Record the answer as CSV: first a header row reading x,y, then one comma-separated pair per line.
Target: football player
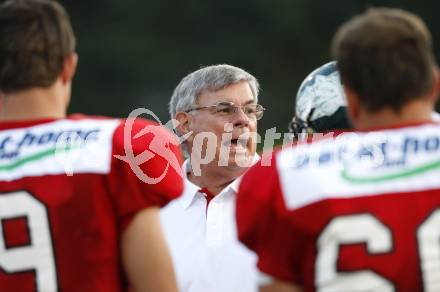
x,y
360,212
74,216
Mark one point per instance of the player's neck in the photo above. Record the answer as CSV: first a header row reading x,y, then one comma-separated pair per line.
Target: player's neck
x,y
414,112
35,103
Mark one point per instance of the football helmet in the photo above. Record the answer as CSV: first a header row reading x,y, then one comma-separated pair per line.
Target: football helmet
x,y
320,104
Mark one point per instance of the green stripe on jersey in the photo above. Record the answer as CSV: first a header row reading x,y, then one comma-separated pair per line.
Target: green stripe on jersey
x,y
392,176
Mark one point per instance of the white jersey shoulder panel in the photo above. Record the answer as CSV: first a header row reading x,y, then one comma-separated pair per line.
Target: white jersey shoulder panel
x,y
361,164
59,147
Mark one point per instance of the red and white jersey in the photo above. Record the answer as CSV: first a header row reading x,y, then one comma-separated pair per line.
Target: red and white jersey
x,y
360,212
65,198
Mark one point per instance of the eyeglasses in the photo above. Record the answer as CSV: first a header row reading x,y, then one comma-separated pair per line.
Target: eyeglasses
x,y
229,109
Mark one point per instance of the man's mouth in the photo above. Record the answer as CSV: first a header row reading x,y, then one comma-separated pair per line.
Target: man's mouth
x,y
239,144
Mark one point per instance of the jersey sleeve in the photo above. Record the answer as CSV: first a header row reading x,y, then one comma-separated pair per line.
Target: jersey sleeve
x,y
146,167
263,225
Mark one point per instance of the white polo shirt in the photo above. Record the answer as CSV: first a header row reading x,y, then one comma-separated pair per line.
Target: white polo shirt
x,y
203,242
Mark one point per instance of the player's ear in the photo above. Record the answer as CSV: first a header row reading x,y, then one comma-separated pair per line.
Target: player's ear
x,y
353,109
435,84
69,68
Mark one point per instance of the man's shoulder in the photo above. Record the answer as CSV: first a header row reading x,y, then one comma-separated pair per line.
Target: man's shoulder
x,y
359,163
51,147
140,133
175,210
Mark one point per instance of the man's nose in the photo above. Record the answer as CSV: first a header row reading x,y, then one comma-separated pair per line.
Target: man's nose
x,y
240,118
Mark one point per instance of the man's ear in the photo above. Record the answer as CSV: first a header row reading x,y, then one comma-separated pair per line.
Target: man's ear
x,y
353,109
184,123
435,85
69,68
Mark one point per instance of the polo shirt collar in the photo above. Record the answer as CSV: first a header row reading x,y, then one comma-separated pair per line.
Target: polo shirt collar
x,y
191,190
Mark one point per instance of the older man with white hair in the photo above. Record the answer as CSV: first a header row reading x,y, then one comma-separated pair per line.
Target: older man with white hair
x,y
216,109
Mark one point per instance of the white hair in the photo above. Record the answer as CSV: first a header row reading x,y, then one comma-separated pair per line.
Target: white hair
x,y
210,78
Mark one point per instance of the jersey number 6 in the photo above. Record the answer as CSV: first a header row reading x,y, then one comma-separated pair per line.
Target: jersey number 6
x,y
365,228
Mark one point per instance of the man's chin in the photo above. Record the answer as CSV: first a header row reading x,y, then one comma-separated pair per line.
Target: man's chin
x,y
241,158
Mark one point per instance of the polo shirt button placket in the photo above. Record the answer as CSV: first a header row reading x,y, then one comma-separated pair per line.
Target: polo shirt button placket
x,y
213,223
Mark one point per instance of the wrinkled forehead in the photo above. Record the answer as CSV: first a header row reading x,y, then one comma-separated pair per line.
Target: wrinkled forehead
x,y
236,93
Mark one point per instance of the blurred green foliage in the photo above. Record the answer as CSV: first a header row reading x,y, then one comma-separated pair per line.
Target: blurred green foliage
x,y
133,53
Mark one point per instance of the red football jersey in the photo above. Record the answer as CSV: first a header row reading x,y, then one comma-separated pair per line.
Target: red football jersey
x,y
360,212
68,188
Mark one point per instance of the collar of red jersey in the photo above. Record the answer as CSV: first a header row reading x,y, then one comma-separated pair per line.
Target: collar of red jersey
x,y
191,190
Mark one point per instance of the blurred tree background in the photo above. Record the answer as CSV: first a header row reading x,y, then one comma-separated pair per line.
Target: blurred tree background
x,y
133,53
